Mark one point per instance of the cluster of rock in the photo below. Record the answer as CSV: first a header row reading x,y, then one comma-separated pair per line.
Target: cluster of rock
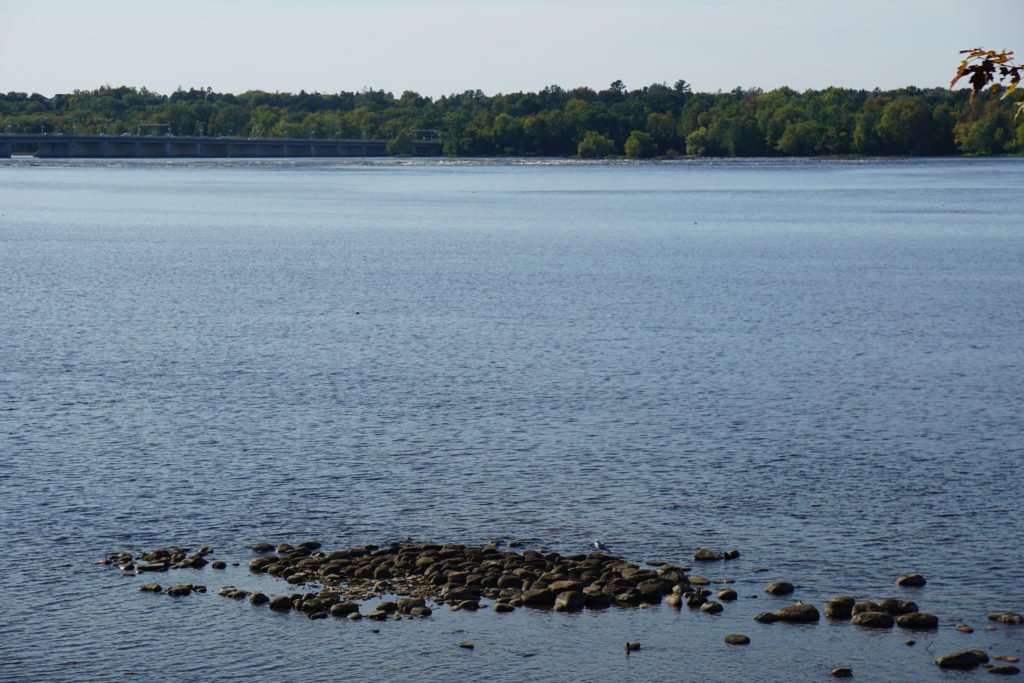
x,y
160,560
462,576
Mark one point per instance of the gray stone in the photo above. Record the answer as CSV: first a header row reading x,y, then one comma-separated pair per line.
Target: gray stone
x,y
779,588
737,639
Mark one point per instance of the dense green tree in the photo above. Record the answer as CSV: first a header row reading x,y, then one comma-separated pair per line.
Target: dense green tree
x,y
640,145
595,146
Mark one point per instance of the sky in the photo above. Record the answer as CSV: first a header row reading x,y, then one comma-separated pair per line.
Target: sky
x,y
440,47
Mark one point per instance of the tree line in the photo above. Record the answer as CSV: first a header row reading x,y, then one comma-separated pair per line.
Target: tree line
x,y
657,120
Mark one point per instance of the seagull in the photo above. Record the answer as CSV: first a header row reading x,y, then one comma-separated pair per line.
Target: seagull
x,y
597,545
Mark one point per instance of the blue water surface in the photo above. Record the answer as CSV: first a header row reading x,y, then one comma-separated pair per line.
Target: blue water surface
x,y
818,363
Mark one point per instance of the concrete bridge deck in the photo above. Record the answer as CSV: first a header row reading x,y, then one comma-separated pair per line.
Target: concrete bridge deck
x,y
59,146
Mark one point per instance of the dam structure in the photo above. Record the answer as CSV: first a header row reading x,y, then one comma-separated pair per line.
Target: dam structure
x,y
61,146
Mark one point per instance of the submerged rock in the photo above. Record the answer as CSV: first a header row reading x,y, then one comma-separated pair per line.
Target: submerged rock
x,y
918,620
966,659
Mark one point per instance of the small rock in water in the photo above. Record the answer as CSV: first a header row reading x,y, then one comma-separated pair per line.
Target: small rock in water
x,y
706,555
737,639
1005,670
873,619
798,613
842,672
779,588
467,646
632,647
1010,618
967,659
911,580
964,628
918,620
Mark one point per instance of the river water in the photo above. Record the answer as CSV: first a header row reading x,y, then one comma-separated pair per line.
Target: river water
x,y
818,363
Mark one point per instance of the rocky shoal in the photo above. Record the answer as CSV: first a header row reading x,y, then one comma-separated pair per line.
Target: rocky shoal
x,y
463,577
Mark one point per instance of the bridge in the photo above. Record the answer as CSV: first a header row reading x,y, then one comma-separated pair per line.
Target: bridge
x,y
60,146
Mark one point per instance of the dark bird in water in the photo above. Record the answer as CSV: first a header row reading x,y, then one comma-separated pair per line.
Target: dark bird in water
x,y
597,545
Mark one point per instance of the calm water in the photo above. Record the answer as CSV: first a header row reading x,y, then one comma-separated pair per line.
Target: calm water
x,y
817,363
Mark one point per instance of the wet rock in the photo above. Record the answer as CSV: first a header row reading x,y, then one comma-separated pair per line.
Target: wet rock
x,y
798,613
354,616
779,588
377,615
842,672
570,601
151,587
219,564
281,603
675,601
1009,618
422,611
179,590
873,619
767,618
967,659
964,628
562,586
918,620
259,599
1006,658
897,607
405,605
727,594
502,607
262,548
388,607
1005,670
318,615
730,554
911,580
153,567
470,605
632,647
711,607
699,580
466,646
866,606
706,555
840,608
737,639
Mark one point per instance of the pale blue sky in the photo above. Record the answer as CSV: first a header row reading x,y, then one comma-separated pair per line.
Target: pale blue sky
x,y
438,47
